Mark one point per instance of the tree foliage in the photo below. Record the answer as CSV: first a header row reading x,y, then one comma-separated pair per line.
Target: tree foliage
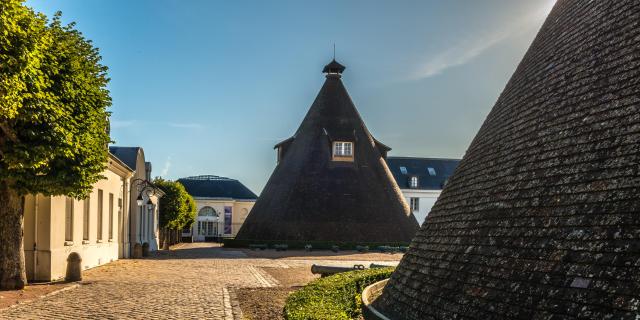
x,y
177,207
53,105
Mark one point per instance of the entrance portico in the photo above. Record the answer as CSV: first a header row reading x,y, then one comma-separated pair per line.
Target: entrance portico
x,y
207,225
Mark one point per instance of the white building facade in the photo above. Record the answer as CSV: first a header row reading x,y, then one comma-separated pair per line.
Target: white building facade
x,y
222,205
421,181
143,199
94,227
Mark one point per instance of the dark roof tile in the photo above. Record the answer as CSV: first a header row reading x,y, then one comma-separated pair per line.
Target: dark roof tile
x,y
311,197
428,179
209,186
541,219
128,155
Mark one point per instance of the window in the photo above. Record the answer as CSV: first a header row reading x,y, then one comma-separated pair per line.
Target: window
x,y
150,226
207,228
141,222
444,183
342,149
413,182
110,215
100,214
403,170
415,204
119,218
432,171
207,212
85,218
68,219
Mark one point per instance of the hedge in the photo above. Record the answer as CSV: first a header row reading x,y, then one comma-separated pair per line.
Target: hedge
x,y
334,297
317,245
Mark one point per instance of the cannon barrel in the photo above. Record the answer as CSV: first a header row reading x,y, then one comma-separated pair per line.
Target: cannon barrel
x,y
329,270
375,265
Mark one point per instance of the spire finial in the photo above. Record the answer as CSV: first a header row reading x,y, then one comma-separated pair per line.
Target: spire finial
x,y
334,51
333,69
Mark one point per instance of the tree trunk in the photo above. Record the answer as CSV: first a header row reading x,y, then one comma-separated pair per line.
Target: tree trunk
x,y
13,275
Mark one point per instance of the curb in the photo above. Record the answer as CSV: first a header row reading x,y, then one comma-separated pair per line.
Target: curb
x,y
368,294
52,293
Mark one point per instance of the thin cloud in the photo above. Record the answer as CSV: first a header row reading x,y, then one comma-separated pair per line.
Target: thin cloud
x,y
457,55
186,125
166,167
467,49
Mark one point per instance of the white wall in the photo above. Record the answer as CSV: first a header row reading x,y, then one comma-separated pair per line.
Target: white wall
x,y
427,200
47,215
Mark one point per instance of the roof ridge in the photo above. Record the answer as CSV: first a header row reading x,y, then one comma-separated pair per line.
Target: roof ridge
x,y
207,177
423,158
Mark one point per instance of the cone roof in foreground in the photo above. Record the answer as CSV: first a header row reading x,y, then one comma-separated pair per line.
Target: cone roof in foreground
x,y
541,219
313,195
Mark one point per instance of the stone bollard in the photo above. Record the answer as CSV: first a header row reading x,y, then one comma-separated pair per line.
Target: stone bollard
x,y
74,267
145,249
137,251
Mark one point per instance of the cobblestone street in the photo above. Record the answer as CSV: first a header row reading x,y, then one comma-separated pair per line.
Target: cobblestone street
x,y
189,282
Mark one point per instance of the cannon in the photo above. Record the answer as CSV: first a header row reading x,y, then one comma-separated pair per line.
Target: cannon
x,y
257,246
281,247
362,248
377,266
324,271
388,249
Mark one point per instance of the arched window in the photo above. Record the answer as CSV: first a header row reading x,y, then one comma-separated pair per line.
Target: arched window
x,y
207,212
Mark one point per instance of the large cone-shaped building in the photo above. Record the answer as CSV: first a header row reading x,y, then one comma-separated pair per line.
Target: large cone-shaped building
x,y
331,182
541,219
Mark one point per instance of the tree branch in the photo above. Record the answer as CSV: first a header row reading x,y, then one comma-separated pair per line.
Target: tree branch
x,y
8,133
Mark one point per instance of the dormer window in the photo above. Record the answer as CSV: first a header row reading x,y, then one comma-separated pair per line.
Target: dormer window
x,y
413,182
432,171
342,151
403,170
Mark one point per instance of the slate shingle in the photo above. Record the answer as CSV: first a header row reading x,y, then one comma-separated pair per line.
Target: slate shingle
x,y
310,197
541,219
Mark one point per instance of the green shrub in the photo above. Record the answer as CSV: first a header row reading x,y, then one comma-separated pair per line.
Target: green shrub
x,y
334,297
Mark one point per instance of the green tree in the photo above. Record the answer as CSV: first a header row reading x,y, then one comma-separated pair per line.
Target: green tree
x,y
177,208
53,121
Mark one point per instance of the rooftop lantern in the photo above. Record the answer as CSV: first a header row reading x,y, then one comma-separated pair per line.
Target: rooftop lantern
x,y
333,69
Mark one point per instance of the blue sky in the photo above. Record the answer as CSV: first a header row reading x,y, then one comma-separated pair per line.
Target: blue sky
x,y
208,87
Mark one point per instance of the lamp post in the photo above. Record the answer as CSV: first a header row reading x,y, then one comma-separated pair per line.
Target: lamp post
x,y
144,187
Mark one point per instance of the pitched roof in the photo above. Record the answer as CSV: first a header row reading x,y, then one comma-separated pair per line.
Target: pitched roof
x,y
208,186
541,219
128,155
432,173
311,197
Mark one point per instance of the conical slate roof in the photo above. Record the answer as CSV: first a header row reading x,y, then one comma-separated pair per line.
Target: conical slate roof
x,y
310,196
541,219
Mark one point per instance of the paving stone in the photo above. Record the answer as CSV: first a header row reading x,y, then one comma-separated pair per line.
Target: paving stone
x,y
189,283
